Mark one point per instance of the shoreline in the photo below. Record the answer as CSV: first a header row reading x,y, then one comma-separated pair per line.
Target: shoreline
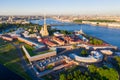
x,y
96,25
106,26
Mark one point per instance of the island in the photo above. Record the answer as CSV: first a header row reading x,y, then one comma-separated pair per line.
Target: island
x,y
40,52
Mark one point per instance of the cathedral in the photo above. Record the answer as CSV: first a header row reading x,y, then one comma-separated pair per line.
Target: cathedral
x,y
44,31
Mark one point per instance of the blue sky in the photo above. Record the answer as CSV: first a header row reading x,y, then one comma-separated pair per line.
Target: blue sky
x,y
82,7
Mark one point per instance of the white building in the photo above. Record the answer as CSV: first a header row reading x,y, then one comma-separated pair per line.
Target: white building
x,y
26,34
94,57
79,32
107,52
58,34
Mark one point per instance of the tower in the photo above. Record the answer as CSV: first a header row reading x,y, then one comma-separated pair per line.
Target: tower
x,y
44,31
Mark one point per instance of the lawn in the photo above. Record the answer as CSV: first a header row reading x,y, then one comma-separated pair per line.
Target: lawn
x,y
43,52
9,58
31,51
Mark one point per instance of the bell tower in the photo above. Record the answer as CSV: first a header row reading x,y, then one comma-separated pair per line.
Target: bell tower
x,y
44,31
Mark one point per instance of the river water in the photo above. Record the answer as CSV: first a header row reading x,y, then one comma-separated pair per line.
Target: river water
x,y
109,35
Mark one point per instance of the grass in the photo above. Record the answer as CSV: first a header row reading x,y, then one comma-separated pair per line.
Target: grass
x,y
38,53
47,77
31,49
43,52
9,58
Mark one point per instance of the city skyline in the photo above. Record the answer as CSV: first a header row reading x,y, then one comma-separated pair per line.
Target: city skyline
x,y
69,7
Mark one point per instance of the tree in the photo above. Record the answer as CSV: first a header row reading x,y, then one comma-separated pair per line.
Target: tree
x,y
75,74
103,73
92,68
93,73
95,41
109,73
65,32
84,53
69,76
74,79
116,62
62,77
78,72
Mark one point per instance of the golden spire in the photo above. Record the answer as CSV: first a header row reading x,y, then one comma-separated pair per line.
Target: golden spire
x,y
44,29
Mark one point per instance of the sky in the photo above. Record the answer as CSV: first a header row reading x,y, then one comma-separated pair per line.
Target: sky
x,y
58,7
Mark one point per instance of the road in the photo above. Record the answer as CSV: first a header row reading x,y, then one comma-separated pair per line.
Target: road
x,y
27,67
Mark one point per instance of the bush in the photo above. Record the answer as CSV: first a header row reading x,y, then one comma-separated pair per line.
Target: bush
x,y
49,66
84,53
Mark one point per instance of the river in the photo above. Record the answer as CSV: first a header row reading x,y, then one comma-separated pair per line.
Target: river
x,y
109,35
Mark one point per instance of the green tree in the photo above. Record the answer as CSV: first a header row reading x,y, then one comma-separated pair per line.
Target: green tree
x,y
84,53
75,74
92,68
69,76
62,77
103,73
95,41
